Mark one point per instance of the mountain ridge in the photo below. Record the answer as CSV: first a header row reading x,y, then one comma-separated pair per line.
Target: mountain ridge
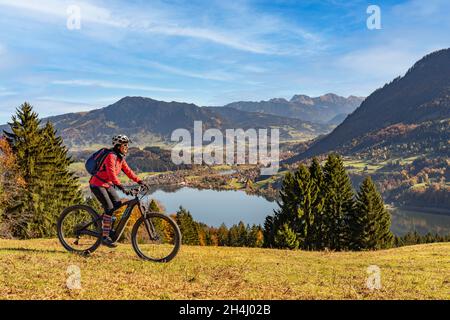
x,y
319,109
421,97
151,121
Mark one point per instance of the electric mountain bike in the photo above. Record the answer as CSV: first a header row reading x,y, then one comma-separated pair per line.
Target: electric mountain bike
x,y
154,237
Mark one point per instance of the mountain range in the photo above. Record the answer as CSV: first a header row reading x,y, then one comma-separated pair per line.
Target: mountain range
x,y
151,121
413,110
321,109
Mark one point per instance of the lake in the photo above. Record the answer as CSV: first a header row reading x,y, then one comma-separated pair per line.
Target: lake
x,y
216,207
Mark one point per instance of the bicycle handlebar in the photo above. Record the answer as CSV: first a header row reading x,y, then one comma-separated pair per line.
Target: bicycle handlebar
x,y
135,190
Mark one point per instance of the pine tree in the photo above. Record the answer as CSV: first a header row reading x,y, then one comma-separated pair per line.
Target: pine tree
x,y
222,235
338,203
153,206
299,195
233,236
288,202
44,166
286,238
318,198
268,233
255,237
288,213
188,227
370,222
59,186
305,214
242,235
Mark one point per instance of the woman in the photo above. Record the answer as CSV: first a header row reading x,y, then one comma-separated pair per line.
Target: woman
x,y
102,184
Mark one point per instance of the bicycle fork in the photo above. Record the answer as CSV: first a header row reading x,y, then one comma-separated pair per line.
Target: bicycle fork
x,y
149,226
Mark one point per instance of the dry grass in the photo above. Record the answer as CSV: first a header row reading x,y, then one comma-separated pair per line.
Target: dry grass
x,y
37,269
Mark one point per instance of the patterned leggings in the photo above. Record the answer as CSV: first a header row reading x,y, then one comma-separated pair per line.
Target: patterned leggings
x,y
110,201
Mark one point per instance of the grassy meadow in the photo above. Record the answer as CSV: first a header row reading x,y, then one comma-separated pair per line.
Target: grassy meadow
x,y
37,269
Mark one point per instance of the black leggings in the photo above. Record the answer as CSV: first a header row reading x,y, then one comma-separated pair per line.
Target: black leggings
x,y
108,197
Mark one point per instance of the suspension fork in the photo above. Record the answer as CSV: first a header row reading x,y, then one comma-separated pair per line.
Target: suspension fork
x,y
148,225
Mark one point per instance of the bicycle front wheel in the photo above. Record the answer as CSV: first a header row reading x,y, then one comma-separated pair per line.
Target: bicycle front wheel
x,y
156,237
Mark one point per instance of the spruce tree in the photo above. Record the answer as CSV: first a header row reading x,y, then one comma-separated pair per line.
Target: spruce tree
x,y
233,236
222,235
296,208
304,207
338,203
188,227
287,203
268,232
370,222
44,165
317,191
288,214
286,238
153,206
255,237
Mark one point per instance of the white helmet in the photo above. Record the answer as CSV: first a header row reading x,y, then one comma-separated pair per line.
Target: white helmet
x,y
120,139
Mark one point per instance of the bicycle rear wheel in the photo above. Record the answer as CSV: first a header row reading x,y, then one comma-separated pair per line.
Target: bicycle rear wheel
x,y
79,229
156,238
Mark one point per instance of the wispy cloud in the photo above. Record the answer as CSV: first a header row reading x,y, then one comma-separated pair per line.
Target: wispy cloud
x,y
168,26
207,51
213,75
111,85
380,62
5,92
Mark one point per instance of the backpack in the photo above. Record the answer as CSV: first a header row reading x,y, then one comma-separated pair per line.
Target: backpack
x,y
95,161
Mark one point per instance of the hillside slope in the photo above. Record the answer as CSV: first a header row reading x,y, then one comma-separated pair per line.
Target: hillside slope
x,y
416,102
37,269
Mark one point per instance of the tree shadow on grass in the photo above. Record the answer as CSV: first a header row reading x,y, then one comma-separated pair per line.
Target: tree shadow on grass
x,y
33,250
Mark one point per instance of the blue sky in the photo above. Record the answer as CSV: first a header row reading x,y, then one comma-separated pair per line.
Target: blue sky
x,y
206,52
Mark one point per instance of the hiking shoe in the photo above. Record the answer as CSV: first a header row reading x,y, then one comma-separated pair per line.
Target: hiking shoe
x,y
107,241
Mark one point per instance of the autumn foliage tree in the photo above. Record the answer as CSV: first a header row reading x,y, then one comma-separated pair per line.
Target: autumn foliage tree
x,y
11,185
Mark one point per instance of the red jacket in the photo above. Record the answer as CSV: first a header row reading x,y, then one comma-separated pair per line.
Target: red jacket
x,y
111,168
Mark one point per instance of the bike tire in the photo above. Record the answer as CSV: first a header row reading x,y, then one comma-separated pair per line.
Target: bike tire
x,y
176,232
95,216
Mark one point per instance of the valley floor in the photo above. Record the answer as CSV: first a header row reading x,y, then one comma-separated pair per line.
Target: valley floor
x,y
38,269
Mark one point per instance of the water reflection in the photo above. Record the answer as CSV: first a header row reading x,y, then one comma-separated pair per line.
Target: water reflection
x,y
216,207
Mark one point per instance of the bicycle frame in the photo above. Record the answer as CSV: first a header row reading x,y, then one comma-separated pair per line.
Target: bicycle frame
x,y
122,222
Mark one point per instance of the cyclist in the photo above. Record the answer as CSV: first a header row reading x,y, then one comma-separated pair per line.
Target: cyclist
x,y
102,184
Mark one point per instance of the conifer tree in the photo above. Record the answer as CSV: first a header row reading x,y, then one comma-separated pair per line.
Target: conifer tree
x,y
243,234
296,208
317,191
255,237
222,235
268,232
153,206
188,227
305,214
44,166
370,222
288,213
286,238
338,203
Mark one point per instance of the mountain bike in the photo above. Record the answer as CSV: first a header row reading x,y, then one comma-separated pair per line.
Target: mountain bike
x,y
154,237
